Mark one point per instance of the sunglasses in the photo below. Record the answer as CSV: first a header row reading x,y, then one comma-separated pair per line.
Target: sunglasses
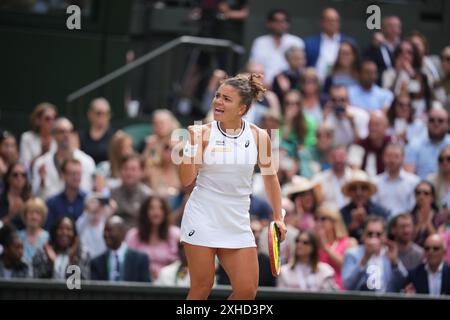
x,y
362,187
323,218
19,174
442,159
435,249
338,100
437,120
373,234
403,105
446,59
305,242
424,192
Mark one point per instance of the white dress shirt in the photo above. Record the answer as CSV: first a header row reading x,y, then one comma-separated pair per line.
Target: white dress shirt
x,y
396,195
329,48
435,280
264,51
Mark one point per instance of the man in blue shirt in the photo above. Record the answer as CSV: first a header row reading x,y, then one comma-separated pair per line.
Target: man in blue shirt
x,y
422,155
367,94
70,202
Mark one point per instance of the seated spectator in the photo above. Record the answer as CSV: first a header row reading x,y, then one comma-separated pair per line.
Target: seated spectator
x,y
175,274
154,235
132,192
90,225
310,89
349,123
403,127
33,237
298,128
401,230
405,76
70,202
119,262
441,179
303,193
332,180
305,272
442,87
425,213
314,159
269,50
383,44
367,154
62,251
371,266
395,186
345,70
107,173
433,276
266,279
322,49
47,180
95,139
163,124
430,63
333,240
162,175
12,264
17,190
289,79
287,247
421,155
39,139
359,189
8,151
367,94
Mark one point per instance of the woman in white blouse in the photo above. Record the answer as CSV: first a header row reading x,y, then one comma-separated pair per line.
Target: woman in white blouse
x,y
305,272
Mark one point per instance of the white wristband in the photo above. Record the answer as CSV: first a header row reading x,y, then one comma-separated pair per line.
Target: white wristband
x,y
190,150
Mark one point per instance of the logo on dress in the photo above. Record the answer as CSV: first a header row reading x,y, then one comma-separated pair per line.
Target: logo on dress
x,y
220,143
247,143
191,233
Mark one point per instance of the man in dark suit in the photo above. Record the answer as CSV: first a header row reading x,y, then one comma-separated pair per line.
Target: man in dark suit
x,y
433,276
119,263
322,49
381,50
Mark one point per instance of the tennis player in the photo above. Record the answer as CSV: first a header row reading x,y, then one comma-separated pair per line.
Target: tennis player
x,y
221,156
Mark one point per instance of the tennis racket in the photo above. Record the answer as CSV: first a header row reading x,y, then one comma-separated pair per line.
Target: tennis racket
x,y
274,247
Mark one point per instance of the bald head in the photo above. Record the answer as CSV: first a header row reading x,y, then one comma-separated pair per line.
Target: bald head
x,y
62,130
434,250
330,21
114,233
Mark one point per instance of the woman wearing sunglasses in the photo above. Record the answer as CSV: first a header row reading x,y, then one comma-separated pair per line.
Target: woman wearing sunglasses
x,y
333,240
306,272
17,191
425,213
441,179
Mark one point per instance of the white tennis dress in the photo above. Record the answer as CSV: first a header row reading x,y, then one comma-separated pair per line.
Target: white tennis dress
x,y
216,214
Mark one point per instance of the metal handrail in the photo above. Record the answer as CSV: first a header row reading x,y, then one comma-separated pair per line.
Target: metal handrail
x,y
150,56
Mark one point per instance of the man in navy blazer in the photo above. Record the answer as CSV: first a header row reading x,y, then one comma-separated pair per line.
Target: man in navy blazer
x,y
322,49
433,276
119,263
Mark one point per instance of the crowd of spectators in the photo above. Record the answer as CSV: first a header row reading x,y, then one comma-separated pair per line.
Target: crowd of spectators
x,y
364,165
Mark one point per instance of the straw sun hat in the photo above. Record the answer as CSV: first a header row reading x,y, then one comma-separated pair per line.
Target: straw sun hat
x,y
359,177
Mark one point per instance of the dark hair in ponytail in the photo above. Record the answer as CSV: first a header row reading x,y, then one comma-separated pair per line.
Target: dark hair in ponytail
x,y
249,86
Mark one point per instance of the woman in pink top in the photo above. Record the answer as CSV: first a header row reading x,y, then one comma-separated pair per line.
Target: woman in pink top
x,y
333,240
154,235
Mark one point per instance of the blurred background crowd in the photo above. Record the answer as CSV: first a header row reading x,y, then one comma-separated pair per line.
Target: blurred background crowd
x,y
363,150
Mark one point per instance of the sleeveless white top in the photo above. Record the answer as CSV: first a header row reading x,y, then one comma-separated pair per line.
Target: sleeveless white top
x,y
216,214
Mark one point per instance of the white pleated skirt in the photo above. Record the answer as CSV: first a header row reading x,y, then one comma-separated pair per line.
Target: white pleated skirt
x,y
214,220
